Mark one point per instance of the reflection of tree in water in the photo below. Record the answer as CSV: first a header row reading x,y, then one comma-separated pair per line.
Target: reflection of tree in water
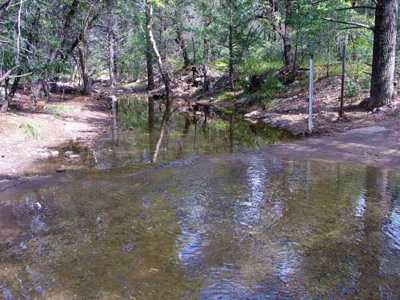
x,y
246,227
150,137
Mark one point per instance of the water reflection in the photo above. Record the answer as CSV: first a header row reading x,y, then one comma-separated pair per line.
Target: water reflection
x,y
149,134
238,227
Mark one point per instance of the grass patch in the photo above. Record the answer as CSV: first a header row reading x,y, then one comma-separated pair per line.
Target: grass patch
x,y
56,110
31,130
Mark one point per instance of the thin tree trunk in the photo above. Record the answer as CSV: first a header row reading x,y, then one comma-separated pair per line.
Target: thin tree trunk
x,y
164,74
14,86
4,104
230,47
182,44
194,50
285,34
81,52
206,82
111,57
384,53
149,58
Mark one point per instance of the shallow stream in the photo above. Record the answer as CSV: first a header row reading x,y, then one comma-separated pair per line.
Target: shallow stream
x,y
192,221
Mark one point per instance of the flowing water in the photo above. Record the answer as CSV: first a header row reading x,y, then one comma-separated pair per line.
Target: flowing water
x,y
202,226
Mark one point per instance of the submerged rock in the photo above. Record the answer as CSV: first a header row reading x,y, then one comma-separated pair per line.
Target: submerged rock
x,y
100,221
127,248
6,294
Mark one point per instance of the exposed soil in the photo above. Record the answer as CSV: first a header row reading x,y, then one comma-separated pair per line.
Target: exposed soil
x,y
290,111
376,146
32,133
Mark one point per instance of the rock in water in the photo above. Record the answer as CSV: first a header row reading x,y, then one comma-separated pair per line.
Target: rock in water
x,y
100,221
127,248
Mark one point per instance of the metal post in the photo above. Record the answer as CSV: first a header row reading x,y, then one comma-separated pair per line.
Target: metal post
x,y
341,110
311,92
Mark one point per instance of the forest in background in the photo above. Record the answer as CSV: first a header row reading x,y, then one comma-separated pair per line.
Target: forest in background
x,y
239,42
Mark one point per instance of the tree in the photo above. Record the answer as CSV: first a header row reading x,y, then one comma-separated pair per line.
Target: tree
x,y
384,53
164,72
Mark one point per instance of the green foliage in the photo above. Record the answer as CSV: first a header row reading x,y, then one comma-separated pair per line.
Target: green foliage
x,y
272,84
354,87
31,130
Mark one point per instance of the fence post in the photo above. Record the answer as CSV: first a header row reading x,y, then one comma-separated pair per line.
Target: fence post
x,y
311,92
341,110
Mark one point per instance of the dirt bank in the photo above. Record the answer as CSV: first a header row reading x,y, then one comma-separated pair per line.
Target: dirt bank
x,y
31,134
377,146
290,110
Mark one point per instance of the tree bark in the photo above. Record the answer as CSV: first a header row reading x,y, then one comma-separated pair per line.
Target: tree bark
x,y
164,74
384,53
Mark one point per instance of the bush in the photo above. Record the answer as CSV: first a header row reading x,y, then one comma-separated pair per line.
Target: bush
x,y
352,88
272,84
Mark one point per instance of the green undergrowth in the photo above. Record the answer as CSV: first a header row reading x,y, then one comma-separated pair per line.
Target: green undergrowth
x,y
31,130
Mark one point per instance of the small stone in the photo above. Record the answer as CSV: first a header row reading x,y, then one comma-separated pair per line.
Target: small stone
x,y
23,246
127,248
45,155
100,221
61,169
68,153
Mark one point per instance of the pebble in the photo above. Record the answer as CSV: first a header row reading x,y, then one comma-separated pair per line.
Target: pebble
x,y
127,248
62,168
55,153
23,246
100,221
45,155
68,153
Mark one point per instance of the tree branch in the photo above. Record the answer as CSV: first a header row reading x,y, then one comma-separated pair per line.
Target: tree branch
x,y
359,25
356,7
7,74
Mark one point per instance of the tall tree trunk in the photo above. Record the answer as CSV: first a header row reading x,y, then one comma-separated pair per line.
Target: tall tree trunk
x,y
230,46
384,53
113,81
81,52
149,58
67,24
4,104
285,35
287,47
14,86
182,44
194,50
206,82
164,74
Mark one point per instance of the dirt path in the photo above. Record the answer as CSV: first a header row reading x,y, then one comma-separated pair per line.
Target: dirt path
x,y
377,146
33,134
